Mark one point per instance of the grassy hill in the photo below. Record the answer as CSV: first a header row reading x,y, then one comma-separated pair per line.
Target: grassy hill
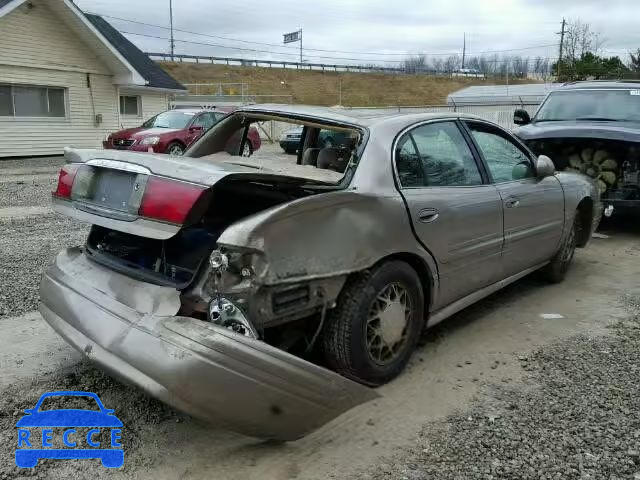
x,y
323,88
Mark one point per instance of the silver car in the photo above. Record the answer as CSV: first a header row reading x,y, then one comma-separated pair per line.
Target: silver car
x,y
269,294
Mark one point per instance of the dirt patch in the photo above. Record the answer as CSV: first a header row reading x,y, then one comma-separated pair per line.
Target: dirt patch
x,y
313,87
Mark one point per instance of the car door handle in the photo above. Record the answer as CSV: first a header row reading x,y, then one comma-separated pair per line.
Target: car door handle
x,y
428,215
512,202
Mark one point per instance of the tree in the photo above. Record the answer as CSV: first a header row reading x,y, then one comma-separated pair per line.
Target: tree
x,y
591,66
578,40
452,63
634,65
415,64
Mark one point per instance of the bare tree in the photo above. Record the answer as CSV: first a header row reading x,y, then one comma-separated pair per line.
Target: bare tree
x,y
579,39
415,64
634,64
452,63
438,64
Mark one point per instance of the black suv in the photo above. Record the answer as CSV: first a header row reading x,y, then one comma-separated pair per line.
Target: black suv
x,y
592,128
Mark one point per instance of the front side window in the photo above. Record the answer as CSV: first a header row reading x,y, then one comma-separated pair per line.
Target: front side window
x,y
28,101
205,120
505,159
436,155
130,105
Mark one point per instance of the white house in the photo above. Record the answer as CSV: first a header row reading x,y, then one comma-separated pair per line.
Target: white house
x,y
68,79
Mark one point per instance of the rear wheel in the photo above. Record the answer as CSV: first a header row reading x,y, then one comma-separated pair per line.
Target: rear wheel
x,y
557,270
175,148
373,330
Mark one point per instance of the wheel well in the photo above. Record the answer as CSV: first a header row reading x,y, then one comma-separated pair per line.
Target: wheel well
x,y
423,271
585,215
179,142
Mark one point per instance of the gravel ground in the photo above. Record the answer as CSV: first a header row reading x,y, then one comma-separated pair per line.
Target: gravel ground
x,y
23,193
577,416
143,416
29,163
28,245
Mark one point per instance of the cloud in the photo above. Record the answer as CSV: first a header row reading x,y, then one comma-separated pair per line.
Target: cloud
x,y
373,26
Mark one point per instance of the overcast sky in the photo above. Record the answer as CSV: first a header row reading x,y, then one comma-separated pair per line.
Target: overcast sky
x,y
378,31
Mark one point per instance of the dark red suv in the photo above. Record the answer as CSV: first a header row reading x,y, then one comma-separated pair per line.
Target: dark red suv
x,y
173,131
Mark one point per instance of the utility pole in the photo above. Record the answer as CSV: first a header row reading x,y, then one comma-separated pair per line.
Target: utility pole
x,y
172,43
464,47
561,33
301,45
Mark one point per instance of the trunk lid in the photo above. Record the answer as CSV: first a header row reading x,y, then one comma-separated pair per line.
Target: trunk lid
x,y
109,188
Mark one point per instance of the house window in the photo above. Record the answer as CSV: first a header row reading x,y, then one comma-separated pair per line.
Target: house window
x,y
29,101
130,105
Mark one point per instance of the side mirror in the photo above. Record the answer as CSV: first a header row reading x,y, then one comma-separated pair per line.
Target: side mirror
x,y
521,117
545,167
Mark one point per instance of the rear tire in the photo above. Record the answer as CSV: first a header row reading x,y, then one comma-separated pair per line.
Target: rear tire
x,y
557,270
371,334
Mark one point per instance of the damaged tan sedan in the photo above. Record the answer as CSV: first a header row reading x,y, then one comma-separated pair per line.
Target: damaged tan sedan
x,y
268,294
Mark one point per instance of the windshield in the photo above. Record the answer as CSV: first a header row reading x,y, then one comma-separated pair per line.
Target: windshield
x,y
609,105
171,119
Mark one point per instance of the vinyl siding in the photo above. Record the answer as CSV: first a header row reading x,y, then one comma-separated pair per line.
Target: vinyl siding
x,y
36,48
37,37
152,104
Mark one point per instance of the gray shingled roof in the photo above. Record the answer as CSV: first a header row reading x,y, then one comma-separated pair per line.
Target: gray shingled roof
x,y
146,67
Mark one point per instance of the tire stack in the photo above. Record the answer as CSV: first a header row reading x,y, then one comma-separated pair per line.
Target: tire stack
x,y
597,164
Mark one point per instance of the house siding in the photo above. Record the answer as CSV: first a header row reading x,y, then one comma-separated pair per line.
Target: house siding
x,y
38,49
48,136
152,104
37,37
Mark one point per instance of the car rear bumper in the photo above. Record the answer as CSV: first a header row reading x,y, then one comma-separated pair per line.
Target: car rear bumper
x,y
130,329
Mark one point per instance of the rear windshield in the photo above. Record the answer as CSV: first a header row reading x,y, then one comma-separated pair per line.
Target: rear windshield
x,y
605,105
303,149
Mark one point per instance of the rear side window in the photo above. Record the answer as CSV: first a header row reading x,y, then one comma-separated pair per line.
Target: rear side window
x,y
436,155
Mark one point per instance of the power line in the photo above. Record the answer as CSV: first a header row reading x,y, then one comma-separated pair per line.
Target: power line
x,y
382,54
191,42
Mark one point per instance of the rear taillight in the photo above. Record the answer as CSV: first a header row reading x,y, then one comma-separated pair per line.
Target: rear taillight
x,y
169,200
65,181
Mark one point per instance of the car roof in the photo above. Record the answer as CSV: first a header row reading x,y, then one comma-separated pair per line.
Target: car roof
x,y
606,84
358,117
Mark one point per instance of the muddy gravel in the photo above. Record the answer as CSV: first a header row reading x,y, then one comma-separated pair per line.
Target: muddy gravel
x,y
28,245
577,416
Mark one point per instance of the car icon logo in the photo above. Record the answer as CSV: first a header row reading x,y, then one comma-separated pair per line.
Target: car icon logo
x,y
84,433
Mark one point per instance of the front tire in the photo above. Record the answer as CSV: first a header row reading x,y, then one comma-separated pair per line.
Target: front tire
x,y
373,330
175,148
557,270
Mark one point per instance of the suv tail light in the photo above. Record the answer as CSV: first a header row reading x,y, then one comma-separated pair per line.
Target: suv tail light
x,y
65,181
169,200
